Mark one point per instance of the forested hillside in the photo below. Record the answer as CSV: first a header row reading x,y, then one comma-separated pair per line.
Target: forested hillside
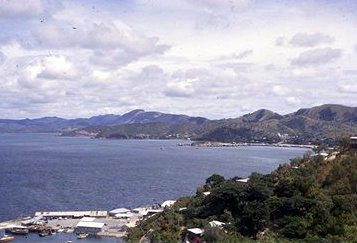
x,y
310,199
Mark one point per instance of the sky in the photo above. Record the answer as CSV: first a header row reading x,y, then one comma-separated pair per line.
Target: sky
x,y
211,58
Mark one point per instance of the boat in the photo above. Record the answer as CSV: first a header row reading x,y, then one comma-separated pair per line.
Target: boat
x,y
43,234
6,238
82,236
18,230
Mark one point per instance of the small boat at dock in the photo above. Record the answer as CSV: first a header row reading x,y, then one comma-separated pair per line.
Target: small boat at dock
x,y
6,238
19,230
43,234
82,236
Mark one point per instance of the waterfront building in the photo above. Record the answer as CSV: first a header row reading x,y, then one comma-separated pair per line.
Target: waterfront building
x,y
72,214
119,211
92,228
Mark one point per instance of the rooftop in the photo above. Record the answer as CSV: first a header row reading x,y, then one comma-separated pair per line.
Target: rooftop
x,y
90,224
119,210
196,231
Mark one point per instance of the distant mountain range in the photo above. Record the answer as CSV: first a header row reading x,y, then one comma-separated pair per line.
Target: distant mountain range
x,y
321,124
56,124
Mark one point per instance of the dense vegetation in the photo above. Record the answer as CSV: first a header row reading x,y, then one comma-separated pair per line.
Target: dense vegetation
x,y
312,199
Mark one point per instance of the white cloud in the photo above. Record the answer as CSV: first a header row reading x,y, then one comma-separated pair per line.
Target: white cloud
x,y
57,67
21,9
348,88
243,54
280,41
230,5
2,58
310,40
317,57
293,100
215,58
180,89
280,90
97,36
101,75
113,59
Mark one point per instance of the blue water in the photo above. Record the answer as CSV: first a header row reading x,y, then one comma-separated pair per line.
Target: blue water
x,y
63,238
40,172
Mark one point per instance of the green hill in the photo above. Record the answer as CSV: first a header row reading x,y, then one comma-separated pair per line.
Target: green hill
x,y
317,125
311,199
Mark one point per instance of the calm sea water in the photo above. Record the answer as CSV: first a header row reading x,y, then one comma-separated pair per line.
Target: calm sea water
x,y
40,172
63,238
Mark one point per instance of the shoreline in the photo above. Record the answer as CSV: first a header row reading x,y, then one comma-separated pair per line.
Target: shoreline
x,y
113,223
208,144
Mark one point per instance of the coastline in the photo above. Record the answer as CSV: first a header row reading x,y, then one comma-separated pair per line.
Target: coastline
x,y
222,144
114,224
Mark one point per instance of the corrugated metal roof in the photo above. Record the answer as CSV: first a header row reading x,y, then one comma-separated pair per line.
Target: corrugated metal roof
x,y
119,210
87,219
90,224
72,213
196,231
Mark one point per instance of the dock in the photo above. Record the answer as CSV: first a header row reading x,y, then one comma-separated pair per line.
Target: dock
x,y
114,223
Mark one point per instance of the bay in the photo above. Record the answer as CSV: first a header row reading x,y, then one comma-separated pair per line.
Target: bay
x,y
46,172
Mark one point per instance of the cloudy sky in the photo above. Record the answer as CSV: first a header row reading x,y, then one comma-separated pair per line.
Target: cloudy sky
x,y
212,58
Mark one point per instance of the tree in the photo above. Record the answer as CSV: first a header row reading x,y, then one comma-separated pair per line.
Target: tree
x,y
215,180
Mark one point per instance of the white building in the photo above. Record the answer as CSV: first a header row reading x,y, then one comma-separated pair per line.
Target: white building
x,y
119,211
91,228
244,180
168,203
142,211
72,214
215,223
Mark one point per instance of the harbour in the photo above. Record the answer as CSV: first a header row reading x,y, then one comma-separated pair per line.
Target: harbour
x,y
45,172
93,225
46,181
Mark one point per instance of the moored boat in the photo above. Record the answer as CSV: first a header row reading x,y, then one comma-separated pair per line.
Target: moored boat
x,y
18,230
6,238
43,234
82,236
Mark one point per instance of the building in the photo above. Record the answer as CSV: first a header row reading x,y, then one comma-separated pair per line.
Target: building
x,y
35,220
244,180
194,235
119,211
154,211
218,224
168,203
91,228
72,214
142,211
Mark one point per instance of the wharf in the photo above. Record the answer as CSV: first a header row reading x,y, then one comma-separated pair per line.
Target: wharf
x,y
113,227
101,223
